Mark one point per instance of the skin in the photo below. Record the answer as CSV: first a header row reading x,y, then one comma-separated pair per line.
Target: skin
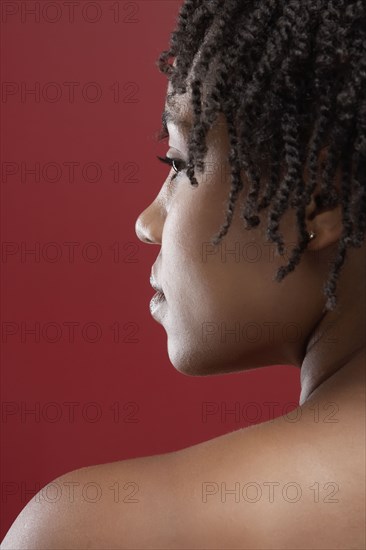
x,y
181,500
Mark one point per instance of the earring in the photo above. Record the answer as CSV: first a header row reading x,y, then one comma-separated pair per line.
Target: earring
x,y
311,235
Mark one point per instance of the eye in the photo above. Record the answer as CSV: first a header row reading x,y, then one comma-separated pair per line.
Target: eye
x,y
176,164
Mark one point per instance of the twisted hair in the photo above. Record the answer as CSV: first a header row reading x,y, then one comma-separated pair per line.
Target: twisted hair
x,y
290,80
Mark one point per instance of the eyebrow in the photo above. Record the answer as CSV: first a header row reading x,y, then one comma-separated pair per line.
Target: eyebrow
x,y
168,116
165,118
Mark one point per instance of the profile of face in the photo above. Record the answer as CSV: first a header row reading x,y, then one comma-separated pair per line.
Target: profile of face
x,y
223,311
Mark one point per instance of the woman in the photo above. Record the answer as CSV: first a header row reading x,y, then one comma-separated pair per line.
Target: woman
x,y
266,117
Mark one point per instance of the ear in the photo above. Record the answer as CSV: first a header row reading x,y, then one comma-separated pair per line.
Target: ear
x,y
324,220
326,225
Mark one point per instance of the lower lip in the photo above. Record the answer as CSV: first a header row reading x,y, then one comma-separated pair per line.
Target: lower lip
x,y
156,301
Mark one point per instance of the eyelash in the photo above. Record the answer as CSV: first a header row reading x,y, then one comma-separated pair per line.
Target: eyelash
x,y
171,162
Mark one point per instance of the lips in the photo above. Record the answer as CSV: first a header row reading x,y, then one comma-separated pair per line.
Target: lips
x,y
155,301
155,284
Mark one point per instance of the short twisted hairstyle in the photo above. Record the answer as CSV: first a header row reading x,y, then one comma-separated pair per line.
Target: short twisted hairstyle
x,y
290,80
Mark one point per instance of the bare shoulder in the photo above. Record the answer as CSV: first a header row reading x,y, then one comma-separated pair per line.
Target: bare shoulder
x,y
285,484
97,507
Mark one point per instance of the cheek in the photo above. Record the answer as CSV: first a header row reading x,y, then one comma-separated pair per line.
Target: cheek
x,y
191,280
211,284
231,281
211,291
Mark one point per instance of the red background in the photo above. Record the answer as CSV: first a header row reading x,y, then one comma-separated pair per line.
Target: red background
x,y
128,399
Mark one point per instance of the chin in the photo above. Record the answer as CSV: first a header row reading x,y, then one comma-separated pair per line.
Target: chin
x,y
204,362
192,359
188,361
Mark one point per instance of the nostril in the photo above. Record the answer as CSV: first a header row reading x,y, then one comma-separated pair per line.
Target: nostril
x,y
141,232
148,228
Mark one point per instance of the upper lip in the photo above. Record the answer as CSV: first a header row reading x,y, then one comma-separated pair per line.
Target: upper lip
x,y
155,284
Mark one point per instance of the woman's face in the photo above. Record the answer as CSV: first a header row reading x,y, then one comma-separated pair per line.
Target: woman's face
x,y
223,312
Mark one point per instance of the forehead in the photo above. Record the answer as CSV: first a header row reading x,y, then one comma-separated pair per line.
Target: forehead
x,y
180,104
184,100
178,107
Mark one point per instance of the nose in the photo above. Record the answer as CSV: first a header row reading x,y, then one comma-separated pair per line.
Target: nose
x,y
149,224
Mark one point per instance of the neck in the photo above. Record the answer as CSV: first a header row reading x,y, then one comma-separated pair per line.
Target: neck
x,y
336,348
